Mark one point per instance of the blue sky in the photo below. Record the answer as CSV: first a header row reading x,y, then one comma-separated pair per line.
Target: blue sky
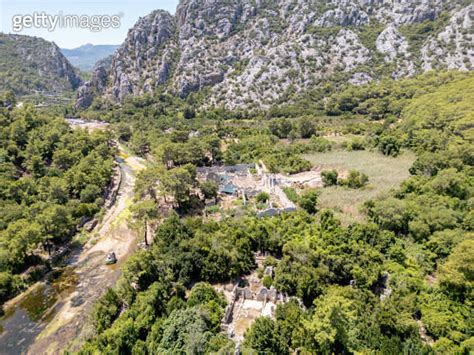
x,y
130,11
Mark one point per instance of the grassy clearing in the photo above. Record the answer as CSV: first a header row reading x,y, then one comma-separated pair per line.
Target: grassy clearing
x,y
385,173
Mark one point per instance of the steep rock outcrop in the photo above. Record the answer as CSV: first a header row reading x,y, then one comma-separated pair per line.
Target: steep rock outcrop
x,y
452,48
257,53
145,59
391,43
97,84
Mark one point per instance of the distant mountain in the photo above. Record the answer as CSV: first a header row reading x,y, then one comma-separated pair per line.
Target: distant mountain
x,y
30,64
84,57
255,54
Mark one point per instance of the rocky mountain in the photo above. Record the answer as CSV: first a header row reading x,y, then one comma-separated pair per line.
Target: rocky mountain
x,y
30,64
97,85
86,56
254,53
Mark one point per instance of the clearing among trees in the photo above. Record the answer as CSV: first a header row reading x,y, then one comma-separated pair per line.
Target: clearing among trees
x,y
385,173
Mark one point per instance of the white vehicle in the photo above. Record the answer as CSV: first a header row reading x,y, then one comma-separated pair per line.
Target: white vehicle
x,y
110,258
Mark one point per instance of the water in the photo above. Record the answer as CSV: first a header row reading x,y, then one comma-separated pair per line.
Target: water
x,y
24,320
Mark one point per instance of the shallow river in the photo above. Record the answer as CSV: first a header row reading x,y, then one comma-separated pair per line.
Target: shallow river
x,y
24,320
74,287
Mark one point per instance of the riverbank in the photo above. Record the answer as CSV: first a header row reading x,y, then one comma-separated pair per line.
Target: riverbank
x,y
66,309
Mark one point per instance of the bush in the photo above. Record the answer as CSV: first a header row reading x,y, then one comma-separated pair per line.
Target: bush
x,y
209,189
203,293
319,144
270,261
123,132
264,338
329,177
355,180
189,113
306,128
267,281
355,144
6,286
107,309
309,200
280,127
286,162
262,197
389,146
213,209
291,194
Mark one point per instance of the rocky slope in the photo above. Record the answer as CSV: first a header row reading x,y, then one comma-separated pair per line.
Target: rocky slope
x,y
253,53
97,85
30,64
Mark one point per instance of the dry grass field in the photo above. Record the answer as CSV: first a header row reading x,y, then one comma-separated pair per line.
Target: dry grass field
x,y
385,173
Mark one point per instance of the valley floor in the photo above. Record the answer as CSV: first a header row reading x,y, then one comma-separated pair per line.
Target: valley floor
x,y
67,317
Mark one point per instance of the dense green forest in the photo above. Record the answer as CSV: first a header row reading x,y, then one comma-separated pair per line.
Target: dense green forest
x,y
250,177
52,178
400,282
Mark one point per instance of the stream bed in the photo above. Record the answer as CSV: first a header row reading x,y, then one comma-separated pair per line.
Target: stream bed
x,y
25,319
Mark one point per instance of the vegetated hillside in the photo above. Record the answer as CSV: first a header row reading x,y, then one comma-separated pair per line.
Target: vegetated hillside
x,y
256,54
30,64
87,55
401,281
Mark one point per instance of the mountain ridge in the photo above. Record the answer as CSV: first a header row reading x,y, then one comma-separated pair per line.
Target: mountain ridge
x,y
260,53
32,64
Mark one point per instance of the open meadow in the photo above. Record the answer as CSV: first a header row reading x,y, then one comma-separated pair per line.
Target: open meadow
x,y
385,173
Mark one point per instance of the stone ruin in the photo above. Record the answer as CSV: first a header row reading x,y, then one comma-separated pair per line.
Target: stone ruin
x,y
244,297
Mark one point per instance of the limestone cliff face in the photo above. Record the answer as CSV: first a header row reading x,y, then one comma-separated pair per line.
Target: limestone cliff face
x,y
145,59
254,53
97,84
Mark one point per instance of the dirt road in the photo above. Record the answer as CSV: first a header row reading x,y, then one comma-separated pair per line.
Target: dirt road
x,y
67,328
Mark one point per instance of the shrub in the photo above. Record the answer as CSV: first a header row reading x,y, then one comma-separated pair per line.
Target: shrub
x,y
107,309
308,201
209,189
270,261
389,146
355,144
355,180
212,209
329,177
263,338
124,132
6,286
189,113
262,197
267,281
291,194
203,293
281,127
319,144
306,128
